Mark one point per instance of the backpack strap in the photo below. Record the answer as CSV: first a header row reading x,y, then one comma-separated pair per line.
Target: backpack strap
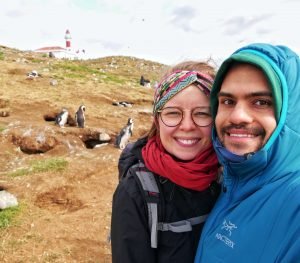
x,y
183,225
151,194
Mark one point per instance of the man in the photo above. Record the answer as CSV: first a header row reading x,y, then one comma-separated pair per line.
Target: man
x,y
255,103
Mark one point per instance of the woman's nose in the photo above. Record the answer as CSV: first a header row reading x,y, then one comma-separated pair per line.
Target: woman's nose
x,y
187,122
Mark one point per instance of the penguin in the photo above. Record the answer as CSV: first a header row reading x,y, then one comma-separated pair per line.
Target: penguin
x,y
122,103
79,116
124,135
61,118
33,74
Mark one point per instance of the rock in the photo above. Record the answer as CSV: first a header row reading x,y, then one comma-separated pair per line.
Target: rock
x,y
4,112
35,139
7,200
53,82
104,137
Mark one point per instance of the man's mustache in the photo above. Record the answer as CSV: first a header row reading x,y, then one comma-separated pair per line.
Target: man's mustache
x,y
257,131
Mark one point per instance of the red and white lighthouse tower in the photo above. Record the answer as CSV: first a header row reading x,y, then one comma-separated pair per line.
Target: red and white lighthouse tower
x,y
68,39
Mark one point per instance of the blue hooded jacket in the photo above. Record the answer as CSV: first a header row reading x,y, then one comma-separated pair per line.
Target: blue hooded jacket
x,y
257,216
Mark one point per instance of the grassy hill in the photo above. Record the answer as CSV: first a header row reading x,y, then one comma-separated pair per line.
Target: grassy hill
x,y
64,210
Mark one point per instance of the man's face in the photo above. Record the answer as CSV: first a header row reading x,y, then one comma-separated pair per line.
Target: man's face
x,y
245,119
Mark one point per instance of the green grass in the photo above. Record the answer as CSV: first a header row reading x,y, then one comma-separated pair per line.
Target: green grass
x,y
36,60
53,165
72,67
2,129
112,78
1,55
78,71
8,215
72,75
75,71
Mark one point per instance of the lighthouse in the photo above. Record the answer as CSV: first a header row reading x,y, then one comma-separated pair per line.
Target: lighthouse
x,y
60,52
68,40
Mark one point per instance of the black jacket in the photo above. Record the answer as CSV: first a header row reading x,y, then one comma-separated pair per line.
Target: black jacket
x,y
130,235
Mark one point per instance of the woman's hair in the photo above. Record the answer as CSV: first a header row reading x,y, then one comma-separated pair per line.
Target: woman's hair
x,y
200,66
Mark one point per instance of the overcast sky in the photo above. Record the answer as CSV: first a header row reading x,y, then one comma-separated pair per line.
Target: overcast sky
x,y
166,31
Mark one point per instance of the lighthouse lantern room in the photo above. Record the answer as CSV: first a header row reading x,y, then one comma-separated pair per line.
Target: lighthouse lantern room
x,y
68,39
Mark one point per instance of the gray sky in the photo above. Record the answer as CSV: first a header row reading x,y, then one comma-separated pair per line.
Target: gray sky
x,y
166,31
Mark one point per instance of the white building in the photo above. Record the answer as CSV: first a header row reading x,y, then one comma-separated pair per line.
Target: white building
x,y
60,52
57,52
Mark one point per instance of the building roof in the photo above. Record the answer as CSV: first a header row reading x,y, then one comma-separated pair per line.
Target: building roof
x,y
50,49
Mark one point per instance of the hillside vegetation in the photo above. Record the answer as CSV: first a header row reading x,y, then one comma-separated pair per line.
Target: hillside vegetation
x,y
64,188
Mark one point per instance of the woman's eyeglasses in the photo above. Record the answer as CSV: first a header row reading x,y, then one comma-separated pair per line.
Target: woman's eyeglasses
x,y
173,116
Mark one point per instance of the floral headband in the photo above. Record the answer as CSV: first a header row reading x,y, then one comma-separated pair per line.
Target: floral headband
x,y
176,82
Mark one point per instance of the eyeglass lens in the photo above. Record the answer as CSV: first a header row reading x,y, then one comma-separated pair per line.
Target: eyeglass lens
x,y
172,116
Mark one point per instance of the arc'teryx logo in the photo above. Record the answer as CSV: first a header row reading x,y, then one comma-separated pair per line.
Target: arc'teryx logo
x,y
228,227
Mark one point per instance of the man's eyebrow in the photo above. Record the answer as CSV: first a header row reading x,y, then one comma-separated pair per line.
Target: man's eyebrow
x,y
251,94
224,94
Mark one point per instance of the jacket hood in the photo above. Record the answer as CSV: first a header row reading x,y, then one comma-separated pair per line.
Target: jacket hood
x,y
281,154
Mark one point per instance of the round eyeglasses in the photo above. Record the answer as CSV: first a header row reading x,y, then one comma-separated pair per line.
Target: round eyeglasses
x,y
173,116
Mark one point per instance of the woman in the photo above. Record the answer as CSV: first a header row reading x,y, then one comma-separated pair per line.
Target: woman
x,y
177,152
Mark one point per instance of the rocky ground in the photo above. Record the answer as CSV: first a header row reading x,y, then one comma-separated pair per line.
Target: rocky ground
x,y
65,214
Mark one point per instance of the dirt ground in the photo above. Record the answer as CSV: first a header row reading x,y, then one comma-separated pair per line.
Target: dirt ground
x,y
65,216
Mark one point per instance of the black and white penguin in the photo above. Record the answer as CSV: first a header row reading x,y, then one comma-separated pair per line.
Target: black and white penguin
x,y
124,135
33,74
79,116
61,118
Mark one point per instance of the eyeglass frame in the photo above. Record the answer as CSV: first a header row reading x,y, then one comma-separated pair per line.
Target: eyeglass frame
x,y
182,116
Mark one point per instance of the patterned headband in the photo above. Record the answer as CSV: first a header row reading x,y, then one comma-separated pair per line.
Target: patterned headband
x,y
176,82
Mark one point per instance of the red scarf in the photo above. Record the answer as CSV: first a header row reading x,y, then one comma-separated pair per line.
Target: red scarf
x,y
196,174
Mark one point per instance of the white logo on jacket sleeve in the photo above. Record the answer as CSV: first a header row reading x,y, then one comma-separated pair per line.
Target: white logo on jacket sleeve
x,y
225,239
228,227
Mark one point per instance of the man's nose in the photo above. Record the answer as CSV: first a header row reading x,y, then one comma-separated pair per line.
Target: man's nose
x,y
240,114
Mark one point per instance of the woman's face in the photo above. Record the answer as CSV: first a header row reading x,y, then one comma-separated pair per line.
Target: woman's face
x,y
187,139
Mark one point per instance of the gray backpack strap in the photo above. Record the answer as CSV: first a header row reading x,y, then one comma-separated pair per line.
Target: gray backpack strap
x,y
183,225
151,192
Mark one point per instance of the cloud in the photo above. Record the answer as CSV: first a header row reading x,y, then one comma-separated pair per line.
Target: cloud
x,y
14,13
163,30
263,31
235,25
182,17
108,45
